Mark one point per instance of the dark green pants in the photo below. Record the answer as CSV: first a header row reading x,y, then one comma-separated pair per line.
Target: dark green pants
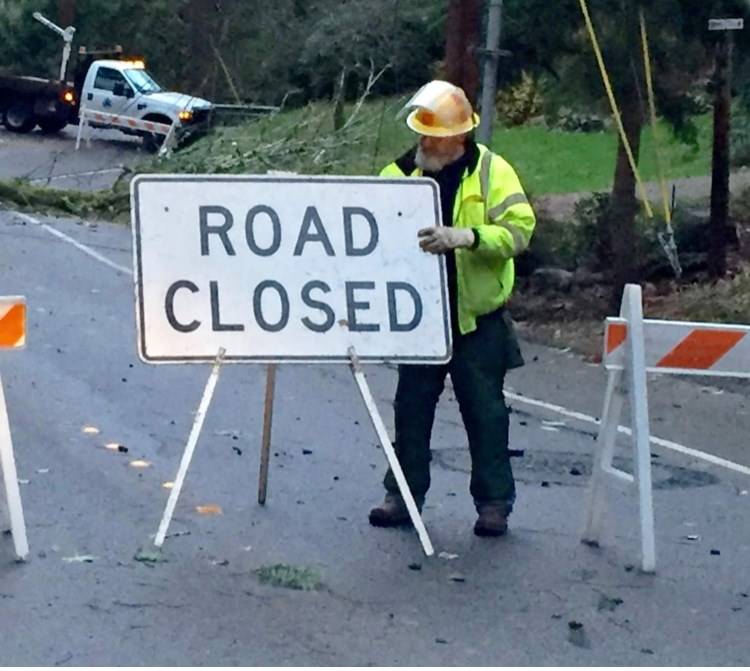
x,y
477,369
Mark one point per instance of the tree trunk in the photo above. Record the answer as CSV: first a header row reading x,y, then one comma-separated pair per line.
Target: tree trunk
x,y
620,232
463,35
720,233
66,13
202,24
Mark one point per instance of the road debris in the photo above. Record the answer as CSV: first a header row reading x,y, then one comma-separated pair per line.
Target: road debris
x,y
150,556
289,577
210,509
447,555
608,603
577,635
80,559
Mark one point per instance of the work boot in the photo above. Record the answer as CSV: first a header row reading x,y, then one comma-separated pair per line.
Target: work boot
x,y
492,520
391,513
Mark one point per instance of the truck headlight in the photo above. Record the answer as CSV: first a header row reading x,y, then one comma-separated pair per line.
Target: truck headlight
x,y
186,115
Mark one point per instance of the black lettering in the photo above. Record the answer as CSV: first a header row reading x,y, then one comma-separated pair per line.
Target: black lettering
x,y
312,219
393,287
169,306
351,250
250,231
318,305
258,308
352,306
217,229
216,324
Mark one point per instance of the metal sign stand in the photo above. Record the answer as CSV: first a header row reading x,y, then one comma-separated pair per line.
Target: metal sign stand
x,y
372,410
390,453
631,384
187,456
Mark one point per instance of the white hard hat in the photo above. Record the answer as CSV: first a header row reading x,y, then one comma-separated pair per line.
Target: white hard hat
x,y
440,109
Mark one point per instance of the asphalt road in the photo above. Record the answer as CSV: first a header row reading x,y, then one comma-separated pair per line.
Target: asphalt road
x,y
511,601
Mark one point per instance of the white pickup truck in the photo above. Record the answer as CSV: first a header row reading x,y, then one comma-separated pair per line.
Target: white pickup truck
x,y
103,81
125,88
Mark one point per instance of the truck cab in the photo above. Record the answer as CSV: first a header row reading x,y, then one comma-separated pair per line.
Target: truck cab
x,y
126,88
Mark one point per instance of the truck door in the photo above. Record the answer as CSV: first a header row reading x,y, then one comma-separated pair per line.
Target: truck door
x,y
110,93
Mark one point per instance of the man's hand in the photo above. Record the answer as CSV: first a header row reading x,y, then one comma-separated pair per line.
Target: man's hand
x,y
441,239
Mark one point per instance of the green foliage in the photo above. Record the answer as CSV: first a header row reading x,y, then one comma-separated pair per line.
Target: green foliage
x,y
519,102
740,136
577,122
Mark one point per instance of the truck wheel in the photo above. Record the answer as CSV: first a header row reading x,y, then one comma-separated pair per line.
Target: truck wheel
x,y
19,117
49,126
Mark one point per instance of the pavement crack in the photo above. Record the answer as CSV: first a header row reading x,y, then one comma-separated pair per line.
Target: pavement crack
x,y
156,604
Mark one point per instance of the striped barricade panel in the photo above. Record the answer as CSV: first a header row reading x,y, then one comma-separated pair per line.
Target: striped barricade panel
x,y
687,348
128,122
12,322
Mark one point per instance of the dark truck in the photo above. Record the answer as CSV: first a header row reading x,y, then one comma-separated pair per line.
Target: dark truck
x,y
26,102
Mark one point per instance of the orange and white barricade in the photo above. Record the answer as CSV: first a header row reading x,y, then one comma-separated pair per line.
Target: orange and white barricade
x,y
86,117
633,347
12,336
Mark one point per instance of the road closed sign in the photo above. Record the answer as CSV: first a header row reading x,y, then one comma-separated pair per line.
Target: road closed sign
x,y
284,269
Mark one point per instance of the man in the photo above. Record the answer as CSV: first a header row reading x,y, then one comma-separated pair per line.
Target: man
x,y
487,221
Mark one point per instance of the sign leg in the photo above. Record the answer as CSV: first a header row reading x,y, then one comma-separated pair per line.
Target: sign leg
x,y
187,456
604,451
390,453
10,482
265,448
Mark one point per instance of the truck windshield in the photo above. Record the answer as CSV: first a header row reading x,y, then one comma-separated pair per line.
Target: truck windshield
x,y
142,81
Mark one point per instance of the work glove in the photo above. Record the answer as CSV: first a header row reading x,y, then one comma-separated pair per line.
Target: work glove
x,y
442,239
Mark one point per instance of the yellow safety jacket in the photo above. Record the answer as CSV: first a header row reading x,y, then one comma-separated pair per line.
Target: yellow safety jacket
x,y
491,201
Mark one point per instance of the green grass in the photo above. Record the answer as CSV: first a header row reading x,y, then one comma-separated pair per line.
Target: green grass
x,y
550,161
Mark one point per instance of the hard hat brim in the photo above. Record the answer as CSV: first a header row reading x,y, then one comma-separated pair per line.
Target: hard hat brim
x,y
440,131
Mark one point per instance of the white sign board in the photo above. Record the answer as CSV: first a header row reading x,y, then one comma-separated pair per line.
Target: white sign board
x,y
287,269
726,24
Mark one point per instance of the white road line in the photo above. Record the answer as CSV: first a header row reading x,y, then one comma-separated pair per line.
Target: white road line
x,y
86,250
75,174
661,442
560,410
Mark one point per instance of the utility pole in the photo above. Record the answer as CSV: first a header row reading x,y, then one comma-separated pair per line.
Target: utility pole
x,y
720,225
489,84
463,31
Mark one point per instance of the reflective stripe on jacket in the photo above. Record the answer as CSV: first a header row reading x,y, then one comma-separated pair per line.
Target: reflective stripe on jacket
x,y
492,202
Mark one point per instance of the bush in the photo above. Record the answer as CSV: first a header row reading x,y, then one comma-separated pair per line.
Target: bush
x,y
576,122
520,102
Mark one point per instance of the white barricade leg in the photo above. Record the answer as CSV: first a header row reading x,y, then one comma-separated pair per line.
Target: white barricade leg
x,y
390,453
10,483
187,456
603,454
82,121
265,448
169,140
638,397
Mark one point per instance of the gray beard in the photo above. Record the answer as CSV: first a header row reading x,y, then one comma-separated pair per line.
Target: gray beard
x,y
429,162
